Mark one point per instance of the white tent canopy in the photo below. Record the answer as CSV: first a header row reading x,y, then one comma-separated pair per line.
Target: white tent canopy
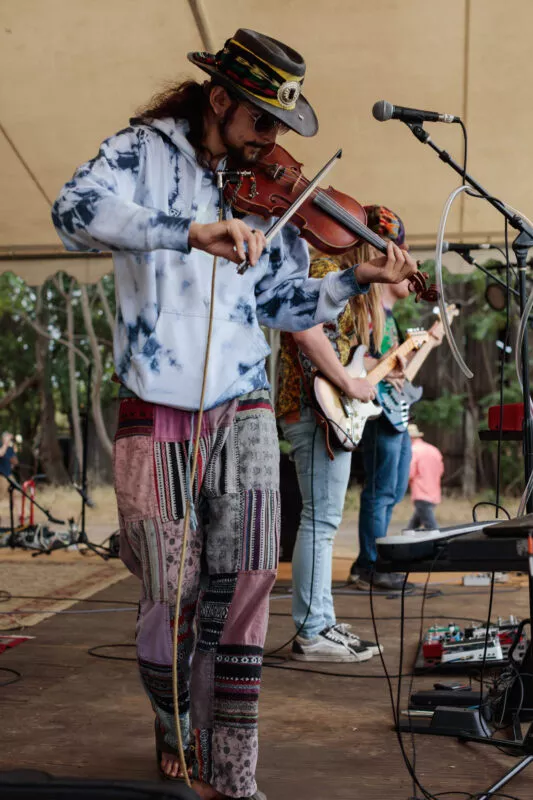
x,y
74,72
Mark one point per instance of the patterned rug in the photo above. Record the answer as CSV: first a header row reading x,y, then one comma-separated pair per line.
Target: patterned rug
x,y
66,575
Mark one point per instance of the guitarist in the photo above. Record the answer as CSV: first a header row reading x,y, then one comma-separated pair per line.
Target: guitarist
x,y
323,482
386,451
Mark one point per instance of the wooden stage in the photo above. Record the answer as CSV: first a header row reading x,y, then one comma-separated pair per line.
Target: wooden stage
x,y
322,737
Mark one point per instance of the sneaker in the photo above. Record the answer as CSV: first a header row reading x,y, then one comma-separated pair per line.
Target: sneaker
x,y
392,581
345,630
328,646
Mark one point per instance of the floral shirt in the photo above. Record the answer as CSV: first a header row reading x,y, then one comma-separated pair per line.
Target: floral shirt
x,y
341,332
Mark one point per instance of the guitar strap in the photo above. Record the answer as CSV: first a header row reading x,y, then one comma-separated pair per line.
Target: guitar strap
x,y
321,420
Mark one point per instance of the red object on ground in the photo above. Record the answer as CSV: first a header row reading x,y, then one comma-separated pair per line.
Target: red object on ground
x,y
432,650
513,417
7,642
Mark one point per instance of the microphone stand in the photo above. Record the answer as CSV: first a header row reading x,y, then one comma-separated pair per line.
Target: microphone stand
x,y
13,487
471,260
520,693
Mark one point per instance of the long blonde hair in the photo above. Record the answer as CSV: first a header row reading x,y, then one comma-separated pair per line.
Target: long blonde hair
x,y
367,308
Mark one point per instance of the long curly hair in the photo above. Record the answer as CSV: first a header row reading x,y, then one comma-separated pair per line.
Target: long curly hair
x,y
188,100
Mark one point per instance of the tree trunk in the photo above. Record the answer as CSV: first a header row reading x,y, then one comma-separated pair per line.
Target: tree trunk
x,y
105,306
17,391
50,452
73,384
99,424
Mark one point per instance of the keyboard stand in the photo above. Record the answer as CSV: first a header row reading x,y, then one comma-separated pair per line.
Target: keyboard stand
x,y
472,551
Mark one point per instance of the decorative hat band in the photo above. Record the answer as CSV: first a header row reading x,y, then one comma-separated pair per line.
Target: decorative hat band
x,y
386,223
256,76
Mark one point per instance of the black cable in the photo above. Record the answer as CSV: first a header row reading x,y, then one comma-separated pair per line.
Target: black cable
x,y
497,506
17,676
465,157
92,652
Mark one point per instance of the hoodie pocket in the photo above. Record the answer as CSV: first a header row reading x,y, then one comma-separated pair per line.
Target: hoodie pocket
x,y
172,361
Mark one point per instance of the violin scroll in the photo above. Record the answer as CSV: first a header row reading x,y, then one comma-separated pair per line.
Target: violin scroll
x,y
420,288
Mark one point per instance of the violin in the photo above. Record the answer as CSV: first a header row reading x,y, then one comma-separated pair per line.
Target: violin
x,y
328,219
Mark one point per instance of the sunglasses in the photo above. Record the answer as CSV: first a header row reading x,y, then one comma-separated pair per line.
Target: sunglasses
x,y
265,122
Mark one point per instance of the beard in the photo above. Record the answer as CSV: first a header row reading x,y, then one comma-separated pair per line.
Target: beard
x,y
247,154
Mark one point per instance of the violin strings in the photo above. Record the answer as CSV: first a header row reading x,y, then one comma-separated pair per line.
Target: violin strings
x,y
326,203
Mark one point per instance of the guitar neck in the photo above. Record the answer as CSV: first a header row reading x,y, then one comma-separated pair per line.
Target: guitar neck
x,y
419,358
388,362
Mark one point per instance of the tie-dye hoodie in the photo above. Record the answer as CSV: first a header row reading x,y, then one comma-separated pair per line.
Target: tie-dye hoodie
x,y
138,198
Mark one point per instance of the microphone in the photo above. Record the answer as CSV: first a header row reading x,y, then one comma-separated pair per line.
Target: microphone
x,y
457,247
383,111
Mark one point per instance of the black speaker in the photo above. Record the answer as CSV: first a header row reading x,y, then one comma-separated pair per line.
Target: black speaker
x,y
27,784
291,506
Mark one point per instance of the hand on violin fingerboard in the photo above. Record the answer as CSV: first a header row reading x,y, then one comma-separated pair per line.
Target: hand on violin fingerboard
x,y
232,239
392,268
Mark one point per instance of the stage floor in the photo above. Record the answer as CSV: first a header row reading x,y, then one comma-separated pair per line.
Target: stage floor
x,y
321,737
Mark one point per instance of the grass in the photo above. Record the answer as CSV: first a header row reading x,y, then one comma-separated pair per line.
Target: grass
x,y
65,502
453,508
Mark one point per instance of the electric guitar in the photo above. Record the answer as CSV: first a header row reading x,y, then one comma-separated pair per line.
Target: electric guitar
x,y
347,417
397,405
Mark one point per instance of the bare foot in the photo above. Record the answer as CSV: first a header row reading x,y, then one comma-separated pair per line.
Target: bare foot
x,y
170,765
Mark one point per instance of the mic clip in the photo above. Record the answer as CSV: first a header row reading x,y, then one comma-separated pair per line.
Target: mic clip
x,y
418,129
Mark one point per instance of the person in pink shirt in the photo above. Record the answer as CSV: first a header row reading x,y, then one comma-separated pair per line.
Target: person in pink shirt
x,y
425,475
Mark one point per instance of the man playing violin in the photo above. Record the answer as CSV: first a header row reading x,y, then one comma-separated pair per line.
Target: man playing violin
x,y
150,196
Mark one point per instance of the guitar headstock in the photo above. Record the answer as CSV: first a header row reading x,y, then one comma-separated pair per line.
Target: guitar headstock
x,y
452,311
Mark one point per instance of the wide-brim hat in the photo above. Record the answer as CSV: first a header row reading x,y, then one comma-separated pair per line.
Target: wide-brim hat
x,y
414,431
265,72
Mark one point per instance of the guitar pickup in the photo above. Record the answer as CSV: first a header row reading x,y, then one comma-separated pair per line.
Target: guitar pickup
x,y
346,405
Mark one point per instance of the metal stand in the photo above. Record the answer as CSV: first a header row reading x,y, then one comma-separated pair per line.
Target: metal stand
x,y
104,553
16,487
521,692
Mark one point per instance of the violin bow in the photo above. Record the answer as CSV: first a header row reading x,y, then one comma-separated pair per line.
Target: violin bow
x,y
286,216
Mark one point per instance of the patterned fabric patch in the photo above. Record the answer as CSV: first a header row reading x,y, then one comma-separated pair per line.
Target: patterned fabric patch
x,y
261,527
203,768
191,577
237,684
135,418
133,461
147,540
234,756
248,615
223,534
175,425
202,682
215,473
253,402
157,680
214,606
258,451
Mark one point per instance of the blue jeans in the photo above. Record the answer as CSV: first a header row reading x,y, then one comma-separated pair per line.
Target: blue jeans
x,y
323,485
386,458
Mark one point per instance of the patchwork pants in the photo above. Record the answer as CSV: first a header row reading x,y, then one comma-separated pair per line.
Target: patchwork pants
x,y
230,568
